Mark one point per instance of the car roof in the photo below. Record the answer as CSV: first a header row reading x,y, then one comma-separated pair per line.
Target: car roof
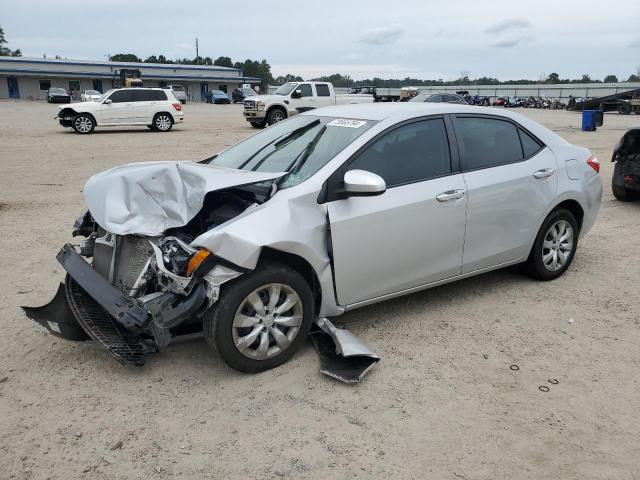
x,y
396,112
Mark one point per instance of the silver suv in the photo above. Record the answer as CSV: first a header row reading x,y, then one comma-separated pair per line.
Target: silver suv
x,y
326,212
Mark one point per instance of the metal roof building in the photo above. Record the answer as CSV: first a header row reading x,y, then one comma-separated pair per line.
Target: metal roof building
x,y
30,78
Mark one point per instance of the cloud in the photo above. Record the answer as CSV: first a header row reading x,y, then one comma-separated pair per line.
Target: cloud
x,y
382,35
510,42
508,25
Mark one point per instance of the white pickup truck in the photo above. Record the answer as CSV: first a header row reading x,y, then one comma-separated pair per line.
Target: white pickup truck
x,y
295,97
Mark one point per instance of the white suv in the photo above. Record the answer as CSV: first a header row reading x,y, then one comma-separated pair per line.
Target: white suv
x,y
156,108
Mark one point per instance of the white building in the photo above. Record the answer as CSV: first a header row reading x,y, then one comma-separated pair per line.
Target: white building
x,y
30,78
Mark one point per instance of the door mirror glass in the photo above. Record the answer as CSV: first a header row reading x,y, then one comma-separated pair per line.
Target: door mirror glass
x,y
296,94
108,101
360,183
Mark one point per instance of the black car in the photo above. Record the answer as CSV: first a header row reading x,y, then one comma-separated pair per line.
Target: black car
x,y
239,94
439,98
625,183
58,95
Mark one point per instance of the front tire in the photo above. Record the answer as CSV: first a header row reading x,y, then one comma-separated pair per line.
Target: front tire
x,y
276,115
162,122
554,247
83,124
258,124
262,319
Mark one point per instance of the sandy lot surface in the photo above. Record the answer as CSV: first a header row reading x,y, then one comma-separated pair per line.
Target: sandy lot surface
x,y
443,403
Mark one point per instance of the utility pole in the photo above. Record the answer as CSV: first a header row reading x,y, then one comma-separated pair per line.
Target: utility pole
x,y
197,54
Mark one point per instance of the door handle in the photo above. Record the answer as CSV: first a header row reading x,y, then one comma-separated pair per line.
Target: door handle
x,y
544,173
450,195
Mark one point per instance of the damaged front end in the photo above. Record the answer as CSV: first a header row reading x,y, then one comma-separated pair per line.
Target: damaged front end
x,y
137,294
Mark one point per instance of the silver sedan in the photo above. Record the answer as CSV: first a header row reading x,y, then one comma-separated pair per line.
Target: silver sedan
x,y
329,211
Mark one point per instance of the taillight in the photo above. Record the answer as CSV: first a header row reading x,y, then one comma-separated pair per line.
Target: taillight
x,y
594,163
177,106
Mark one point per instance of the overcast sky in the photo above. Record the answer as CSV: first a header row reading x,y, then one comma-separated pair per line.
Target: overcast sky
x,y
507,39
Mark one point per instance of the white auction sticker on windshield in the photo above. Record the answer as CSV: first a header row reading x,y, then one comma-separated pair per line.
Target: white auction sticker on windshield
x,y
346,122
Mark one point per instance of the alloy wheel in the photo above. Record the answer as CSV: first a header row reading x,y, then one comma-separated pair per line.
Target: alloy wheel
x,y
163,122
557,245
83,124
277,116
267,321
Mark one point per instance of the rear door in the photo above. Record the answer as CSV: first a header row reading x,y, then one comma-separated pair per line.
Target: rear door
x,y
323,93
120,110
145,105
512,179
413,233
306,102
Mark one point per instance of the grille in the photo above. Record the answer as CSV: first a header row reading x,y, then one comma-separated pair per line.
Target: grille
x,y
249,104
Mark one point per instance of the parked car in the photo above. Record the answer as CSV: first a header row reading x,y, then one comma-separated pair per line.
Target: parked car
x,y
500,102
292,98
156,108
239,94
329,211
90,96
625,182
179,92
439,98
58,95
217,96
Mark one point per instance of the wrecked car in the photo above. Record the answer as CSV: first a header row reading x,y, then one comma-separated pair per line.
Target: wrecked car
x,y
625,182
331,210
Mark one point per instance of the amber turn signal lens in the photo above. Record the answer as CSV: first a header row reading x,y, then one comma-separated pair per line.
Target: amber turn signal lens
x,y
196,259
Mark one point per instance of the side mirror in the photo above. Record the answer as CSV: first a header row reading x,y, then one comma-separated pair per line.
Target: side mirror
x,y
108,101
297,94
360,183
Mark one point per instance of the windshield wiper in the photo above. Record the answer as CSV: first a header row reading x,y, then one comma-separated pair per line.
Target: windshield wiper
x,y
304,155
278,142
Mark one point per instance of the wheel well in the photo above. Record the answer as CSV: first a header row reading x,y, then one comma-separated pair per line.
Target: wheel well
x,y
167,113
278,107
575,208
299,264
74,113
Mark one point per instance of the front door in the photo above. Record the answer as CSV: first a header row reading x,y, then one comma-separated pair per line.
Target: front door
x,y
120,110
413,233
511,180
14,89
306,102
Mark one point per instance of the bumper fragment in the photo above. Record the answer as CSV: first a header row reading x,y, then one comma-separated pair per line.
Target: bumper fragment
x,y
123,309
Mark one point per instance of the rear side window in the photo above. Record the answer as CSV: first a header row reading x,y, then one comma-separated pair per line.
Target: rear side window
x,y
487,142
143,95
323,90
411,153
530,146
121,96
159,95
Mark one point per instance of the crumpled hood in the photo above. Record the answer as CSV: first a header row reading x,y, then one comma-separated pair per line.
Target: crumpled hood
x,y
148,198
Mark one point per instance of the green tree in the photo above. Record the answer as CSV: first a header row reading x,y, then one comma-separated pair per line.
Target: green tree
x,y
610,79
7,52
553,78
223,62
125,57
633,78
151,59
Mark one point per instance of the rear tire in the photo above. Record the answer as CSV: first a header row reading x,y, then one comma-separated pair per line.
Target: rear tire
x,y
624,109
250,341
162,122
554,247
83,124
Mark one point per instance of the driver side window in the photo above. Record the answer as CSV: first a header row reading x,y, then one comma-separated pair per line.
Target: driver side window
x,y
411,153
305,88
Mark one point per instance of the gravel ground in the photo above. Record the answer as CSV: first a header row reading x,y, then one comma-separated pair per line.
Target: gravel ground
x,y
443,402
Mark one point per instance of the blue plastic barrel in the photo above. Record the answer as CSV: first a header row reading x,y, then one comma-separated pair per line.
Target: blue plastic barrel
x,y
588,120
